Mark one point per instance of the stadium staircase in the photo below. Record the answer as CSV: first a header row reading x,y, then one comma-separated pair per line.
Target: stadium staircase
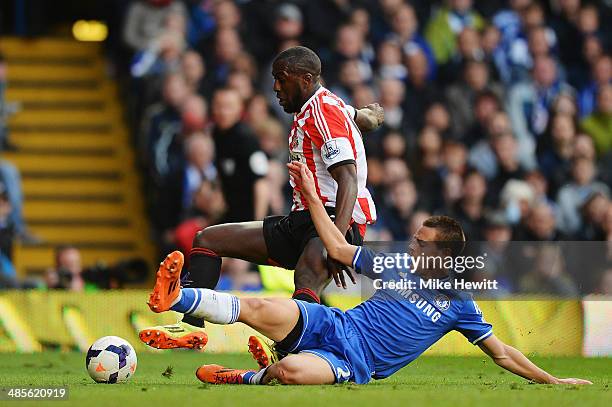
x,y
80,182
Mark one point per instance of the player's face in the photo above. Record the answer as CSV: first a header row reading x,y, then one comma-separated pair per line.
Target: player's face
x,y
287,88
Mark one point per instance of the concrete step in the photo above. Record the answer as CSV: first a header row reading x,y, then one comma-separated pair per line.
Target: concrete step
x,y
51,140
67,117
64,105
70,186
20,72
50,163
52,47
64,210
103,90
78,234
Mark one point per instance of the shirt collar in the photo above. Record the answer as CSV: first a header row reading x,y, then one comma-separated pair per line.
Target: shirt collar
x,y
321,89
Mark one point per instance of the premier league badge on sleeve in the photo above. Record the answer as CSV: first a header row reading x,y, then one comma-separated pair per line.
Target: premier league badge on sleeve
x,y
331,149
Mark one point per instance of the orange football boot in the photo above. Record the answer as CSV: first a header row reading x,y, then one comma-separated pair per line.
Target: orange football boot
x,y
262,352
165,292
216,374
167,282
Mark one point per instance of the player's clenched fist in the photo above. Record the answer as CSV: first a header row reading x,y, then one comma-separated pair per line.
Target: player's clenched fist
x,y
378,112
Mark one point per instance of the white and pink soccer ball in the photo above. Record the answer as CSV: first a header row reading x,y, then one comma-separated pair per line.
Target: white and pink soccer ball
x,y
111,360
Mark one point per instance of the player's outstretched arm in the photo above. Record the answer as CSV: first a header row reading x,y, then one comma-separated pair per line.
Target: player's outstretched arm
x,y
514,361
334,242
370,117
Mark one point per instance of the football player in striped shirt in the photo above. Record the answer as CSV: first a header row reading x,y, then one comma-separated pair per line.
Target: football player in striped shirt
x,y
326,136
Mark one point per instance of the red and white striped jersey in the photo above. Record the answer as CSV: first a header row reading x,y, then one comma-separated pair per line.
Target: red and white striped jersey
x,y
324,135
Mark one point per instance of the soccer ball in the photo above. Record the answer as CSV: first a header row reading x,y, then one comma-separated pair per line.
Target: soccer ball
x,y
111,360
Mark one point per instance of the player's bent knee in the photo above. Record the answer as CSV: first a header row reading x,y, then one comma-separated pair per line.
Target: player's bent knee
x,y
201,239
288,372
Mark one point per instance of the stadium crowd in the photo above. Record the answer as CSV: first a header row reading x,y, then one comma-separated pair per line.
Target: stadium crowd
x,y
497,113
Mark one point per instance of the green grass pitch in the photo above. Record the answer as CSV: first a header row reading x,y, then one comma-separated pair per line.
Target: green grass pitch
x,y
447,381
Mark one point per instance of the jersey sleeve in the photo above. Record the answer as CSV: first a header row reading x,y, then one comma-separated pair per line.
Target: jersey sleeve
x,y
472,324
372,264
352,112
333,133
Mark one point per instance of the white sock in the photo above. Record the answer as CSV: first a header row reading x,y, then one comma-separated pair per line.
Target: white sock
x,y
257,377
216,307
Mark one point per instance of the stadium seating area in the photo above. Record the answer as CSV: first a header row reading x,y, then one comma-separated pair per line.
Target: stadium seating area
x,y
498,113
72,151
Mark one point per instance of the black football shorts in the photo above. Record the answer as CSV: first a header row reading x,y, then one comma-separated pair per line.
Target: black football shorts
x,y
287,236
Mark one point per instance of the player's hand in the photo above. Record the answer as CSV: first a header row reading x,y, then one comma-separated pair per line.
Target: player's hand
x,y
572,380
303,178
378,112
337,271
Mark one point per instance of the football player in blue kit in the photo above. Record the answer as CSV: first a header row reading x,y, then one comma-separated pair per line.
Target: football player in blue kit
x,y
371,341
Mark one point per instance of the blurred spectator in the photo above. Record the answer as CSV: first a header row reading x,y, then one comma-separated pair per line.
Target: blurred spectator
x,y
67,273
548,274
241,164
349,77
426,170
447,23
406,35
8,277
11,181
438,118
402,201
505,148
162,118
469,211
241,83
540,225
528,104
594,211
5,110
145,21
7,228
194,70
227,48
496,234
601,75
350,45
206,209
469,48
482,156
420,92
272,138
574,194
163,54
598,125
462,95
200,153
557,150
390,61
517,198
392,93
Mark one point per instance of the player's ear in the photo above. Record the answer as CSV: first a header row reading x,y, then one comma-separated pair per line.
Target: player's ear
x,y
307,78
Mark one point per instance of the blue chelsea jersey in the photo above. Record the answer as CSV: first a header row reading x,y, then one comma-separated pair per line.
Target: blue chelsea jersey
x,y
399,324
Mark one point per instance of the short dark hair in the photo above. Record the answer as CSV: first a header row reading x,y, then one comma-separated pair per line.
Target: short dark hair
x,y
449,233
300,60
